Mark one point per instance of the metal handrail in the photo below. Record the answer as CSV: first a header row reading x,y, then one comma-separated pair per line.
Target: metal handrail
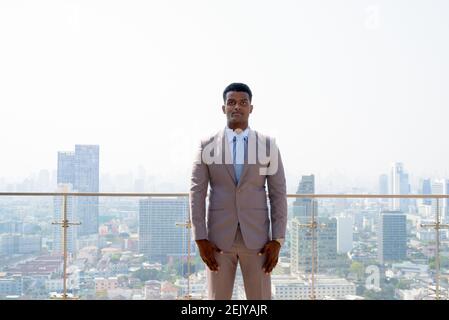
x,y
185,194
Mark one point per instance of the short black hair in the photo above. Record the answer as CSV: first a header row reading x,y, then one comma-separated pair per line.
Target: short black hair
x,y
239,87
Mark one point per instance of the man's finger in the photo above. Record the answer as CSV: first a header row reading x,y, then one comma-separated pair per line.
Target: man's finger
x,y
268,268
213,263
272,265
262,251
270,262
205,260
266,263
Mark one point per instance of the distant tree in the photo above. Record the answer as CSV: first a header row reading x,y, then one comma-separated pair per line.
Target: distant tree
x,y
444,263
148,274
358,269
115,257
403,284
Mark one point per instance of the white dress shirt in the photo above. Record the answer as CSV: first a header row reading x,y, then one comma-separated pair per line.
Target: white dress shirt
x,y
240,147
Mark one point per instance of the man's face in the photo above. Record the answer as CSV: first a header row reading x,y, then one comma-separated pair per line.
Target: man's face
x,y
237,107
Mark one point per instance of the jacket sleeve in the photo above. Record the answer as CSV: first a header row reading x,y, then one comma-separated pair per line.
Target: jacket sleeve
x,y
277,193
198,190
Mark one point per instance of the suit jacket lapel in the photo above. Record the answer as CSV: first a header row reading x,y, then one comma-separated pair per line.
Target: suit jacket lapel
x,y
227,155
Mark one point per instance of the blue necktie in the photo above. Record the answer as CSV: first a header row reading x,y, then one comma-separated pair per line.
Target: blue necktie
x,y
238,167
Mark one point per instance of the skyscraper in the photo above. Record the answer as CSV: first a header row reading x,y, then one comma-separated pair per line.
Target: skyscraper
x,y
392,236
325,245
66,168
440,186
344,234
383,184
159,236
302,207
16,243
80,169
87,180
301,236
426,188
399,184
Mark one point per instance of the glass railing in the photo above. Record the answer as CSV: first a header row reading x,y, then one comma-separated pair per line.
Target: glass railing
x,y
366,247
138,246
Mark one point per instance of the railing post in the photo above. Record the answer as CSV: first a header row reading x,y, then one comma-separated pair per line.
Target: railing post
x,y
437,252
188,226
313,225
64,224
437,226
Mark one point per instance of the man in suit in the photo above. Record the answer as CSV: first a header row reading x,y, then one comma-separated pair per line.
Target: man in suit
x,y
237,227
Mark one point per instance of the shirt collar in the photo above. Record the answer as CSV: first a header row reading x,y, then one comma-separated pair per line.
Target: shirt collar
x,y
230,133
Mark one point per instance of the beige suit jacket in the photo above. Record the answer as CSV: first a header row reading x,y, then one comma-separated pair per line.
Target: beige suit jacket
x,y
229,203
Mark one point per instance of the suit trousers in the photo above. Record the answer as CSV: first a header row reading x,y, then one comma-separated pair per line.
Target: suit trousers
x,y
257,283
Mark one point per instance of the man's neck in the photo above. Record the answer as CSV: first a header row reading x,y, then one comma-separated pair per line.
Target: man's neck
x,y
234,126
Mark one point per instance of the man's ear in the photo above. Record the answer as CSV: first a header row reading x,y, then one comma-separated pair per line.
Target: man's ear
x,y
250,108
223,108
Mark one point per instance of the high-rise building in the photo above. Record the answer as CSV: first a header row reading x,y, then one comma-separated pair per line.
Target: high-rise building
x,y
426,188
66,168
159,235
383,184
87,180
440,186
399,185
12,285
81,170
11,226
392,236
344,234
15,243
302,207
301,236
325,245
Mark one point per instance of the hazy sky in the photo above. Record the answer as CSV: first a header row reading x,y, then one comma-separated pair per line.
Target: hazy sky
x,y
345,86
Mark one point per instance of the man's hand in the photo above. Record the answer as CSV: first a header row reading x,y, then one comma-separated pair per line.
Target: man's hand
x,y
271,250
207,253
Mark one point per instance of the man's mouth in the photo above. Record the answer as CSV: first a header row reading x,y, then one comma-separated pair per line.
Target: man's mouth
x,y
236,114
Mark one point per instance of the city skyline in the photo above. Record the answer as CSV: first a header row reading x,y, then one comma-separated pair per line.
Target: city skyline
x,y
140,180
